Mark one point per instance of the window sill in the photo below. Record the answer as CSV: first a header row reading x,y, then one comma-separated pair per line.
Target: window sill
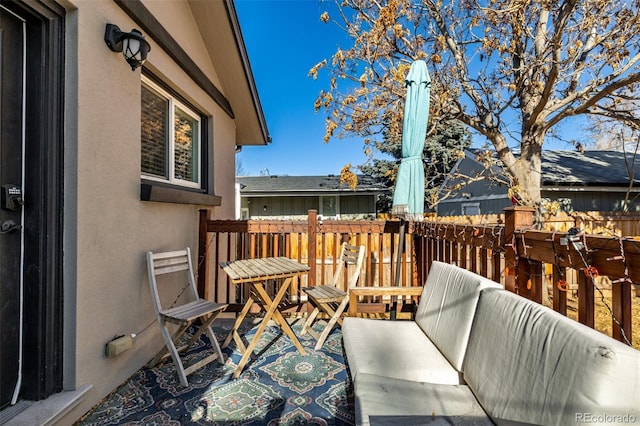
x,y
166,194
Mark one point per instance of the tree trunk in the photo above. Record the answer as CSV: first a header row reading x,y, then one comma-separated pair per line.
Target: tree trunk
x,y
526,169
528,174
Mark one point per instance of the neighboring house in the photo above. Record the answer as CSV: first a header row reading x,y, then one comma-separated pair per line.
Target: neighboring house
x,y
110,163
291,197
582,181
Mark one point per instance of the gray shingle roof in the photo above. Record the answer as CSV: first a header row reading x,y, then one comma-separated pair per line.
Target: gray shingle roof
x,y
589,168
304,184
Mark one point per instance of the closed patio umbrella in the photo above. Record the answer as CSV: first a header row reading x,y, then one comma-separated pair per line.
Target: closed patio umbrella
x,y
408,197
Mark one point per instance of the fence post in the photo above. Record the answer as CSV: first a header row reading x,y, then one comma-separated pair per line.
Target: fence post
x,y
515,218
312,223
203,256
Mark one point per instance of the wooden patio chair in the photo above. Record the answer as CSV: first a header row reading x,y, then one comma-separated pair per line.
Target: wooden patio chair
x,y
195,311
331,299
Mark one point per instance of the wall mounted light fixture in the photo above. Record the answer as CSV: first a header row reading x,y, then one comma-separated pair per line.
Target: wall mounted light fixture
x,y
132,45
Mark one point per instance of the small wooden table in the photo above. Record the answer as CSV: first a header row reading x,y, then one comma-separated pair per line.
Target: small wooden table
x,y
256,272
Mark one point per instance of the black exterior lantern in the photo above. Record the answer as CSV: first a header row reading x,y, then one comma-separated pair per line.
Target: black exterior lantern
x,y
133,45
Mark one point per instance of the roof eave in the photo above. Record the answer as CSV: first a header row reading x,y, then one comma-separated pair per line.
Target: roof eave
x,y
218,23
242,50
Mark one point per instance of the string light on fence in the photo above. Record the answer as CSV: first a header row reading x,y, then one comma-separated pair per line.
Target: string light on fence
x,y
590,271
562,285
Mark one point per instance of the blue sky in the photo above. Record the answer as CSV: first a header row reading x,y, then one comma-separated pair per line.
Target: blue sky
x,y
284,39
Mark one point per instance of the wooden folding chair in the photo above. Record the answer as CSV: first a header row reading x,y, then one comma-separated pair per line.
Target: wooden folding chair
x,y
332,299
183,315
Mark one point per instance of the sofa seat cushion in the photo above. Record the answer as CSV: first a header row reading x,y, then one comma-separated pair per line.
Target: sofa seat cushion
x,y
447,306
527,363
383,400
397,349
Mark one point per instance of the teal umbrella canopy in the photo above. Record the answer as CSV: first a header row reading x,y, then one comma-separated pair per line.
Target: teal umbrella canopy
x,y
408,197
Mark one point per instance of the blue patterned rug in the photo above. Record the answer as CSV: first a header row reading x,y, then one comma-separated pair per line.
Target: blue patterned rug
x,y
277,387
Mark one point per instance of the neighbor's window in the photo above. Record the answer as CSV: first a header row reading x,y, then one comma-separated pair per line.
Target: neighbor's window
x,y
329,206
471,209
171,138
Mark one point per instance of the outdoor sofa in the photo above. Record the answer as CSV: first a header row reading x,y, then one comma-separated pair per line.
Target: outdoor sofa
x,y
478,354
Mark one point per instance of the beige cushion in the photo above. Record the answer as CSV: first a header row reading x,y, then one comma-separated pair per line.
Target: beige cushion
x,y
397,349
526,363
385,401
447,307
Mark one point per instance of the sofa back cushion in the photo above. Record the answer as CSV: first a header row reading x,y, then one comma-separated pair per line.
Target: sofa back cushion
x,y
526,363
447,306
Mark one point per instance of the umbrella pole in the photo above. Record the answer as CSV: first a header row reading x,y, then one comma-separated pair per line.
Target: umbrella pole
x,y
394,301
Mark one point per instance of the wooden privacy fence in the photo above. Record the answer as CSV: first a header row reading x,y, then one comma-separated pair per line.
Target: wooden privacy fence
x,y
312,242
544,266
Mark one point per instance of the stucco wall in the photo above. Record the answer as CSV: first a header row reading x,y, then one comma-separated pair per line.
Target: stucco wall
x,y
107,228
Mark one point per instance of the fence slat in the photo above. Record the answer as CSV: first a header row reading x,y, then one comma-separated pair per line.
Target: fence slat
x,y
621,321
586,308
559,290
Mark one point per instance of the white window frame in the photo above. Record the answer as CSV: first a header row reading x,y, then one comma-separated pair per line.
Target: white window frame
x,y
173,104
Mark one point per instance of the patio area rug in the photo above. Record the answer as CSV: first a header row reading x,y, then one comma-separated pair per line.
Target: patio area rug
x,y
277,387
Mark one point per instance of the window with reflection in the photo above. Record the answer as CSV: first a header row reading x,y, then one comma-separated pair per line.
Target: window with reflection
x,y
171,138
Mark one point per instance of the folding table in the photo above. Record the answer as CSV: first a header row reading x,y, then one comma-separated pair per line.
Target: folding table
x,y
256,272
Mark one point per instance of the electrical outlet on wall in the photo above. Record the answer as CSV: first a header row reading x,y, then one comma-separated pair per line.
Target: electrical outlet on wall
x,y
118,345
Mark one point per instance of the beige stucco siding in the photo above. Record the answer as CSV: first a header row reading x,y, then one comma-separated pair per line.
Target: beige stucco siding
x,y
175,14
109,228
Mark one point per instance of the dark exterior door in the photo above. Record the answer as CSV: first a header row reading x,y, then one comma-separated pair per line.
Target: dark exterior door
x,y
31,169
12,60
